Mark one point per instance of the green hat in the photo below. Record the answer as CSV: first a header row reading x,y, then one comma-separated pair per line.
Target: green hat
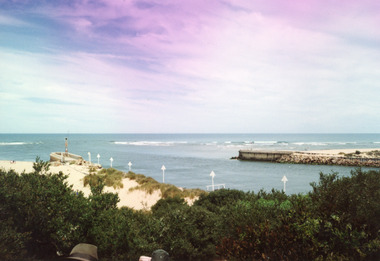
x,y
84,252
160,255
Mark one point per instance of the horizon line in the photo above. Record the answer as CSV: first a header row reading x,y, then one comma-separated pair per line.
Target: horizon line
x,y
178,133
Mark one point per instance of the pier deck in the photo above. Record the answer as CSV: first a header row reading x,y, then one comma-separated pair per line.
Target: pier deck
x,y
262,155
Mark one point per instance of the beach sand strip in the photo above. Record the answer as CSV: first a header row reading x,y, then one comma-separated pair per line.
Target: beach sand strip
x,y
136,199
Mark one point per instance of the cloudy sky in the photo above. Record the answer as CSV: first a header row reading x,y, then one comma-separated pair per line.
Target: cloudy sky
x,y
170,66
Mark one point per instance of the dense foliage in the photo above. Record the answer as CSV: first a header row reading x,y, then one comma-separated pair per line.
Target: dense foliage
x,y
41,215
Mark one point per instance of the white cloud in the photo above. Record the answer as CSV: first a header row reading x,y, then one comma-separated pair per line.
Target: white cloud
x,y
224,71
11,21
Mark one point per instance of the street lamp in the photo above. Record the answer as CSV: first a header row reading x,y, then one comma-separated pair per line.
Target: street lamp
x,y
212,174
163,173
284,179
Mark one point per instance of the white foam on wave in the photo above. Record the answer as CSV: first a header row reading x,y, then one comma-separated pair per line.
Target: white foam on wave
x,y
149,143
210,143
13,143
121,142
311,143
315,143
341,142
265,142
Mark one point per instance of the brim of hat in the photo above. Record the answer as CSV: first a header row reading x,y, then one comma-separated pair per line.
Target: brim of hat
x,y
77,258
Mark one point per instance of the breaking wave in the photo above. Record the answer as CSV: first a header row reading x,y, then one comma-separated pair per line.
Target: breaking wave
x,y
148,143
18,143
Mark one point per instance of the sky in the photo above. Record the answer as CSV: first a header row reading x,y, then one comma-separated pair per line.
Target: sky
x,y
190,66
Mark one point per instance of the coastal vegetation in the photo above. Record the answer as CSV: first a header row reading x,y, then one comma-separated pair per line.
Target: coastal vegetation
x,y
167,190
114,178
358,154
40,216
109,177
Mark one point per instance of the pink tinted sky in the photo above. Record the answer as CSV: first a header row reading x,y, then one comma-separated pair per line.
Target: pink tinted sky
x,y
189,66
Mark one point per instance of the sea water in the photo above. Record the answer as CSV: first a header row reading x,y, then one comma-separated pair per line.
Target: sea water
x,y
190,158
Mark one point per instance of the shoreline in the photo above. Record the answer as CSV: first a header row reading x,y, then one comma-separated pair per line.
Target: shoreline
x,y
136,199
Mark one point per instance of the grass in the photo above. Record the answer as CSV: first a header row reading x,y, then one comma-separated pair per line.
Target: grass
x,y
110,177
374,154
114,178
167,190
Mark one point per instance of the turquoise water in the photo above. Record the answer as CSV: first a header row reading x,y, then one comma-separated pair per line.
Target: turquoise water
x,y
190,158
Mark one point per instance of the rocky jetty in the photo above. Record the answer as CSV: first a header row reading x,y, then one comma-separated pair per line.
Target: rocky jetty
x,y
319,159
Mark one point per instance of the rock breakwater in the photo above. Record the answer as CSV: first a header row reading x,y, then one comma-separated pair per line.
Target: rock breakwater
x,y
363,158
304,158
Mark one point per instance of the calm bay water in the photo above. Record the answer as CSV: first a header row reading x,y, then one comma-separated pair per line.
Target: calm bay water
x,y
190,158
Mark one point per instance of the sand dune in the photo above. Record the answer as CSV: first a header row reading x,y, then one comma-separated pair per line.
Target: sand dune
x,y
136,199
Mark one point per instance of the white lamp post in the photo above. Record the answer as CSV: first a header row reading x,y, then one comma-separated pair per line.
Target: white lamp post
x,y
284,179
89,157
212,174
163,173
130,165
111,159
98,158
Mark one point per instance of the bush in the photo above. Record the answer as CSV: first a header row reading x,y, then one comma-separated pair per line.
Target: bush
x,y
337,220
215,200
113,232
349,210
109,177
41,214
165,205
187,233
167,190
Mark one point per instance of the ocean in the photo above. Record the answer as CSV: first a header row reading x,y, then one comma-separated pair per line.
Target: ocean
x,y
190,158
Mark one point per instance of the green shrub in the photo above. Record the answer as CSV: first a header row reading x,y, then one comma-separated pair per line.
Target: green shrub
x,y
374,153
165,205
193,193
40,214
337,220
109,177
349,210
41,166
219,198
150,185
187,233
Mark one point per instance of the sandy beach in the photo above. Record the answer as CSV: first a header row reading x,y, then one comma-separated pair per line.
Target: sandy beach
x,y
136,199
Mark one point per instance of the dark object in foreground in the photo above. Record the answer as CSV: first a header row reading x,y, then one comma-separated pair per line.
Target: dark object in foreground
x,y
84,252
160,255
